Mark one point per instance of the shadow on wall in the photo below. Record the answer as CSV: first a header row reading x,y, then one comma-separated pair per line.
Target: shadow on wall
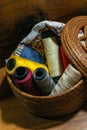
x,y
5,90
22,28
24,25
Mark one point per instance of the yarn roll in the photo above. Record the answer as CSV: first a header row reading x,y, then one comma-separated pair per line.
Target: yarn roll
x,y
43,81
80,35
68,79
15,62
23,77
23,80
52,56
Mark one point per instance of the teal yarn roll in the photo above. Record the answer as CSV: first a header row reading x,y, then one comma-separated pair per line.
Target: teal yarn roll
x,y
43,81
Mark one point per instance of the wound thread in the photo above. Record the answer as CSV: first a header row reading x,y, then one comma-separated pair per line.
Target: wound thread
x,y
23,80
53,56
69,78
83,42
80,34
19,61
21,72
43,81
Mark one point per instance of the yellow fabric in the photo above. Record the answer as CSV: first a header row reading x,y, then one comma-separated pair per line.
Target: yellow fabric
x,y
25,63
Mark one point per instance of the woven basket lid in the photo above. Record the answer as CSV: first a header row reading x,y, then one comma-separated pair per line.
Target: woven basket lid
x,y
72,43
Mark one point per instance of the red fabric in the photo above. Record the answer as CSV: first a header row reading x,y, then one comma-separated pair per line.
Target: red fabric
x,y
65,60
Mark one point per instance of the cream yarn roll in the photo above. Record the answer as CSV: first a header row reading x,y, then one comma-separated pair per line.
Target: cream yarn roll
x,y
69,78
53,59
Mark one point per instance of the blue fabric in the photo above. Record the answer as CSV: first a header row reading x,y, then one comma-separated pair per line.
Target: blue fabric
x,y
25,51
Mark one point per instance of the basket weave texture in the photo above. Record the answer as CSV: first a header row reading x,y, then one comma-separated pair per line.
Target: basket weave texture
x,y
73,98
47,106
71,42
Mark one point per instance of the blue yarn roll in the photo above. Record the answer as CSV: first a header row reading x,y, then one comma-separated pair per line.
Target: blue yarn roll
x,y
43,81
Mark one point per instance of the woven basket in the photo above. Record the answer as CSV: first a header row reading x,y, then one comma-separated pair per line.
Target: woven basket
x,y
71,99
71,42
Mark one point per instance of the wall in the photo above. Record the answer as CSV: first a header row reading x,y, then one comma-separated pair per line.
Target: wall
x,y
16,18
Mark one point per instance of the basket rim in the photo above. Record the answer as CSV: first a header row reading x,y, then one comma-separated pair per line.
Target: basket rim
x,y
68,91
75,52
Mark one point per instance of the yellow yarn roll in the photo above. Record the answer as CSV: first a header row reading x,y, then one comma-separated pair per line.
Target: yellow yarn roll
x,y
25,63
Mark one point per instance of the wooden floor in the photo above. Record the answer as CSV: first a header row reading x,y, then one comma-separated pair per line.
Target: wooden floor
x,y
13,117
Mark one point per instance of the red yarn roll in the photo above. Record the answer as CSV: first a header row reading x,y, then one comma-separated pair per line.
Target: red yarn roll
x,y
65,60
24,82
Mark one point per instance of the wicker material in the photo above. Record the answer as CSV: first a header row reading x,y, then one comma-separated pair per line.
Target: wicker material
x,y
72,99
58,105
71,43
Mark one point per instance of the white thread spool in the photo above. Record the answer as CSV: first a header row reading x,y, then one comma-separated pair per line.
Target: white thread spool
x,y
83,43
69,78
53,56
81,34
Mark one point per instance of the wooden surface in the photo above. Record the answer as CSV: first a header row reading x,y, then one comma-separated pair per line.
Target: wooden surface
x,y
13,117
